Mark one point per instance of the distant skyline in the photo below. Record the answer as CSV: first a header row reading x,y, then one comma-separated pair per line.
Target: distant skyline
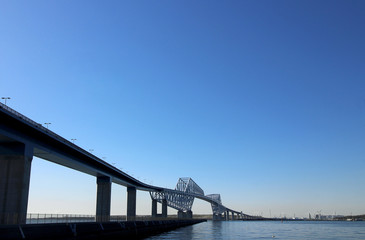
x,y
262,102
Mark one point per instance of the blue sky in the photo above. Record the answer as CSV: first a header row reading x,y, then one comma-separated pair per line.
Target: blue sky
x,y
260,101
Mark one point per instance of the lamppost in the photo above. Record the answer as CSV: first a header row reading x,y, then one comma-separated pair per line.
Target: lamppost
x,y
73,140
91,150
5,98
47,124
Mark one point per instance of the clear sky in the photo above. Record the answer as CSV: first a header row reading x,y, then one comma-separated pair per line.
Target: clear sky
x,y
260,101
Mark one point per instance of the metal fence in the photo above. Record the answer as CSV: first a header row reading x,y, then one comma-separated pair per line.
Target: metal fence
x,y
40,218
37,218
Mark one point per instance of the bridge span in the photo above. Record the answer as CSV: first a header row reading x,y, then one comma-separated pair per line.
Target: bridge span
x,y
22,138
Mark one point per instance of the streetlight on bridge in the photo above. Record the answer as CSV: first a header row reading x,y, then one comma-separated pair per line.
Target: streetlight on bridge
x,y
47,124
5,98
73,140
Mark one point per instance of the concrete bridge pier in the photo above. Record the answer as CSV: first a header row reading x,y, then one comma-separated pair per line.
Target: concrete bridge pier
x,y
185,215
131,203
164,208
103,198
232,215
219,217
154,208
189,214
15,161
180,214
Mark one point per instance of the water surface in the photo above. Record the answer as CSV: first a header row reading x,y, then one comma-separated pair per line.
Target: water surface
x,y
267,230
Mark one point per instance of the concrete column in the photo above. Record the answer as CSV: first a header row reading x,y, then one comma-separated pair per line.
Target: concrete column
x,y
131,203
164,208
189,214
232,215
15,164
227,216
103,198
180,214
154,208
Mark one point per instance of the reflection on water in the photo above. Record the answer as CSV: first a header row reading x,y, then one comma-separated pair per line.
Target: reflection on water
x,y
267,230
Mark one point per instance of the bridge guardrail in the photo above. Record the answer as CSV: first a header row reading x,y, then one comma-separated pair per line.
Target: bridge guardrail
x,y
42,218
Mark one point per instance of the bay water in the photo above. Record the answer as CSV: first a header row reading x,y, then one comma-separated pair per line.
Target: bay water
x,y
226,230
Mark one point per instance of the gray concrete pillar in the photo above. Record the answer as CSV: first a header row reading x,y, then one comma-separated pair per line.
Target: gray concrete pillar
x,y
232,215
218,217
131,203
164,208
15,166
154,208
180,214
189,214
103,198
227,216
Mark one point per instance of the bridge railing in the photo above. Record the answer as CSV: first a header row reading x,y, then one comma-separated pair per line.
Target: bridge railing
x,y
39,218
42,218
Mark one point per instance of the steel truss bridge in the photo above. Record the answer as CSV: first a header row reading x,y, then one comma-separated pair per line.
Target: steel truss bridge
x,y
182,199
22,138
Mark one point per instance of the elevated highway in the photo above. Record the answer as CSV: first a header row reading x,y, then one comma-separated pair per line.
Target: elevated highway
x,y
22,138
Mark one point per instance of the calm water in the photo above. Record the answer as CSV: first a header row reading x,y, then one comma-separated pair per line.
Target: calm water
x,y
267,230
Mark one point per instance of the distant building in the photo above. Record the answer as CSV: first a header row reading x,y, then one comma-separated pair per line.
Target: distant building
x,y
327,217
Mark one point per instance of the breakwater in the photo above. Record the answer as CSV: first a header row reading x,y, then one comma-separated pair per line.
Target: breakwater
x,y
91,230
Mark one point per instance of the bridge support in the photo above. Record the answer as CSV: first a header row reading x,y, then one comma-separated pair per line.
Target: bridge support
x,y
218,217
164,208
180,214
185,215
103,198
131,203
189,214
154,208
15,162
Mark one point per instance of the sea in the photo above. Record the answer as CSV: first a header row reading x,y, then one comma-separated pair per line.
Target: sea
x,y
341,230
